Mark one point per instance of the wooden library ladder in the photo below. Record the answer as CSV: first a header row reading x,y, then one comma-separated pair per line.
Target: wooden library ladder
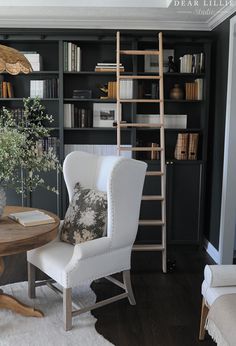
x,y
159,125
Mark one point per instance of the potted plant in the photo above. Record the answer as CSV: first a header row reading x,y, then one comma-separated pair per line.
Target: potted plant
x,y
22,155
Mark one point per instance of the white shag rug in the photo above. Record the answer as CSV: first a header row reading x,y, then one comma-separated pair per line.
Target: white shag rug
x,y
48,330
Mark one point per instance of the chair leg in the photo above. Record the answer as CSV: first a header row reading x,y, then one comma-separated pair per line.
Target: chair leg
x,y
67,308
128,287
31,280
204,313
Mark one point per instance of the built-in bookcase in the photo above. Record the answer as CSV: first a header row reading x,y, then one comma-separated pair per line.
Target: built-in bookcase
x,y
184,210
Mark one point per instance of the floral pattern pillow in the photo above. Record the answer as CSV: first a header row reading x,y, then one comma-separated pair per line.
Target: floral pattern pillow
x,y
86,216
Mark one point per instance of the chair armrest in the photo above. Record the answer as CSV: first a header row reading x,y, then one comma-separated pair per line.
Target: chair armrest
x,y
220,275
88,249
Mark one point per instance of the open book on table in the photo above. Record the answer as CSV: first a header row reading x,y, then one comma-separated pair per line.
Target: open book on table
x,y
31,218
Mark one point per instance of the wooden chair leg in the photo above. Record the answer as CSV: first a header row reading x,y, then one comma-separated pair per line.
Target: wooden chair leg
x,y
204,313
128,287
67,308
31,280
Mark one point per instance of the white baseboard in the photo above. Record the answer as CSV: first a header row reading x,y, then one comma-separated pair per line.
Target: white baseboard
x,y
211,250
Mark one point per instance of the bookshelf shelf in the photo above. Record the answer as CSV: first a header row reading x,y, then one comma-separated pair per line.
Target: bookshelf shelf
x,y
90,100
94,129
21,99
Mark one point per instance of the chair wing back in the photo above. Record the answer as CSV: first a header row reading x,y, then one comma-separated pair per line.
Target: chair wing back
x,y
125,188
121,178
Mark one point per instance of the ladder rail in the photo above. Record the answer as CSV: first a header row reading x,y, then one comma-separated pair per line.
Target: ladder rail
x,y
118,108
162,144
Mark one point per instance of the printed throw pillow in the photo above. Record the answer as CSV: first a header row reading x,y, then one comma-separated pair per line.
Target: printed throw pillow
x,y
86,216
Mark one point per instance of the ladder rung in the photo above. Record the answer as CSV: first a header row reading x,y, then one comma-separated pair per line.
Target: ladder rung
x,y
141,100
140,149
139,77
151,223
152,198
154,173
139,52
148,247
140,125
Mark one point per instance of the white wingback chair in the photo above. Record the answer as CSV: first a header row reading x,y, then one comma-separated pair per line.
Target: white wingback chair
x,y
218,281
69,265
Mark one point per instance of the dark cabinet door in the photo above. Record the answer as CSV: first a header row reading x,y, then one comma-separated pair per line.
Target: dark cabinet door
x,y
184,201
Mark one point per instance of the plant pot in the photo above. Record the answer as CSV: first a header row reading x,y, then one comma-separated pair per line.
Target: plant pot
x,y
2,200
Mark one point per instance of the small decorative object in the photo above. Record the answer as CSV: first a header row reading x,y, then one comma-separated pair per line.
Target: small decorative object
x,y
171,65
82,94
105,90
22,157
176,93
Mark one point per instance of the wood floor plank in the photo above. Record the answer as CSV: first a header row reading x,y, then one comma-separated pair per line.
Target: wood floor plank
x,y
168,305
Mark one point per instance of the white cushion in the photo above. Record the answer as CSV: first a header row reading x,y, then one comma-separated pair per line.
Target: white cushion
x,y
52,258
220,275
211,293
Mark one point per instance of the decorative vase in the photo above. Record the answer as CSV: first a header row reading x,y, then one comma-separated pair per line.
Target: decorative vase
x,y
176,93
2,200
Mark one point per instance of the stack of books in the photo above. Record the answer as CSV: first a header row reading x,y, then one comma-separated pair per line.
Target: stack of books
x,y
31,218
72,57
192,63
75,117
186,146
6,90
35,60
194,90
47,88
108,67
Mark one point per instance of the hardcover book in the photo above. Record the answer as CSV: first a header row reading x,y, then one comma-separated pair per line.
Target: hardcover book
x,y
31,218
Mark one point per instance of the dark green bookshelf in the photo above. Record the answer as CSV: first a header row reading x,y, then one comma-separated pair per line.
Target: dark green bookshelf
x,y
100,46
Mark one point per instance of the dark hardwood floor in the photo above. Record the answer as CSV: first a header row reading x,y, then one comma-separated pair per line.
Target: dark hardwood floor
x,y
168,305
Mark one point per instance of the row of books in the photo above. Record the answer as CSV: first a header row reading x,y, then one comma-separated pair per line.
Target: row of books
x,y
126,89
6,90
194,90
108,67
186,146
47,143
75,117
72,57
192,63
171,121
97,149
35,60
47,88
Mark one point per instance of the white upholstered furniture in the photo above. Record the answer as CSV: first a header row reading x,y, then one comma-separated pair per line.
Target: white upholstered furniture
x,y
218,281
70,265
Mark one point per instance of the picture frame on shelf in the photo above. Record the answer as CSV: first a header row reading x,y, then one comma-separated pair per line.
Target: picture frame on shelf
x,y
151,62
104,114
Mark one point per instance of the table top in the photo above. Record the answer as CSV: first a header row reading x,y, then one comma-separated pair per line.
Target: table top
x,y
15,238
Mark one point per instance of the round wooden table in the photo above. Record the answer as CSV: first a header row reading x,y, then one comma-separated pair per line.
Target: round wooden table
x,y
15,238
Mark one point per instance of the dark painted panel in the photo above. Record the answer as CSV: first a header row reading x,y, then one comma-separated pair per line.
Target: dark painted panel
x,y
183,202
216,131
